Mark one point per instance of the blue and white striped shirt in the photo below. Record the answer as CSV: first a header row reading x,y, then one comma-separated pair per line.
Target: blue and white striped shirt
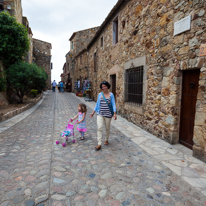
x,y
104,108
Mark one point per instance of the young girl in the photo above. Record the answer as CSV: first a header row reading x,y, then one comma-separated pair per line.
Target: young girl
x,y
82,109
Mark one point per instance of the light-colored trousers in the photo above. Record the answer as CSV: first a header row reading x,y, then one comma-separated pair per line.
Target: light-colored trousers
x,y
100,122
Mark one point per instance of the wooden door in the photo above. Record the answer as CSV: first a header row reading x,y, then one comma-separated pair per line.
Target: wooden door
x,y
113,84
188,104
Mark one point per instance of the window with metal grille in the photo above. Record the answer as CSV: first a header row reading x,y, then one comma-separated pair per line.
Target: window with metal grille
x,y
134,85
95,62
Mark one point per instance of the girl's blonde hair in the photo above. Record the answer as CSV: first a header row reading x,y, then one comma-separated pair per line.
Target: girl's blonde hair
x,y
83,108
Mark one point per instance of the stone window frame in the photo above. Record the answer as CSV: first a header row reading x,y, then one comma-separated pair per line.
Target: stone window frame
x,y
115,22
138,62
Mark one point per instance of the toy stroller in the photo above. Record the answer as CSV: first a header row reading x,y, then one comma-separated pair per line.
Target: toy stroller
x,y
68,132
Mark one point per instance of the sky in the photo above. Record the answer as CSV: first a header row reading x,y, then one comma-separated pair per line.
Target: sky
x,y
55,21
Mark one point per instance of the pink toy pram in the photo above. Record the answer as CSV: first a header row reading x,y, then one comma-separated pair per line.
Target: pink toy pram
x,y
68,132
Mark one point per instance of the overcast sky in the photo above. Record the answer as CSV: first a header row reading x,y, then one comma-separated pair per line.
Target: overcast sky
x,y
55,21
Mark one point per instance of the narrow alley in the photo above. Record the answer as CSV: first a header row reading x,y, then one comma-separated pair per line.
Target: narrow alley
x,y
36,171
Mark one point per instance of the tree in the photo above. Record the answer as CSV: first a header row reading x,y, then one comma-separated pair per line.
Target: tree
x,y
22,77
40,79
14,41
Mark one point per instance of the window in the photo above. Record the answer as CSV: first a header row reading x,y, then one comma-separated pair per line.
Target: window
x,y
95,62
115,31
81,60
72,45
1,6
102,41
134,85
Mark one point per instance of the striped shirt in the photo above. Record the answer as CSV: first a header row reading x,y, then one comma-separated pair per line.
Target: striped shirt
x,y
104,108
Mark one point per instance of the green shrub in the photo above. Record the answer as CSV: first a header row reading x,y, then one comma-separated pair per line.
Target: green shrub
x,y
34,92
14,41
22,77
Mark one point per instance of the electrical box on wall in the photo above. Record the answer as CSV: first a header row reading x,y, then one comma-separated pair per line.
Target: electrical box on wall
x,y
9,7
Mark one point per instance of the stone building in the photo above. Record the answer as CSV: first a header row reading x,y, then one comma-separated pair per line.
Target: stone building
x,y
78,41
65,74
42,57
13,7
29,57
150,52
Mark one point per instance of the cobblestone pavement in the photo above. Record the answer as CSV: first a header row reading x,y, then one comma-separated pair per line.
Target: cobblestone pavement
x,y
36,171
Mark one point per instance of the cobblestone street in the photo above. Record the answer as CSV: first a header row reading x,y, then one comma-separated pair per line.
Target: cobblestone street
x,y
36,171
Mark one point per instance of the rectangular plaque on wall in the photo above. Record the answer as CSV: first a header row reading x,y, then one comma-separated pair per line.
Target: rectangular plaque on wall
x,y
182,25
203,50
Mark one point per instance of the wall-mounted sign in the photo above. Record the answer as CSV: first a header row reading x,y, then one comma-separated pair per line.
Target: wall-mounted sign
x,y
182,25
203,50
9,7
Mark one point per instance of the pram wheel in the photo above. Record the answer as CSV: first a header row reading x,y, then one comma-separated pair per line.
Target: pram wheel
x,y
64,144
57,142
73,140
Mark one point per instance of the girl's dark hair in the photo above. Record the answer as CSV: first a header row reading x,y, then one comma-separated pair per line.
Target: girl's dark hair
x,y
105,83
83,108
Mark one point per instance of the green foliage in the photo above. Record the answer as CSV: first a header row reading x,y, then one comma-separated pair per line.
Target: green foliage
x,y
40,79
14,41
22,77
34,92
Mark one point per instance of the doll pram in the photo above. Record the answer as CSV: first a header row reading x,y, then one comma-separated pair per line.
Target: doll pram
x,y
68,132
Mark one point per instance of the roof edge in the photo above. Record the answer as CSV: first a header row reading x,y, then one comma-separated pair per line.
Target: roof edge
x,y
116,7
72,36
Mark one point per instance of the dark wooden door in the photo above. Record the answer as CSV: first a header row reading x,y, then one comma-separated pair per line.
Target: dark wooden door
x,y
188,104
113,81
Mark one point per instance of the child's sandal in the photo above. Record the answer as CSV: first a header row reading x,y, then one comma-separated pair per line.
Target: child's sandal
x,y
82,138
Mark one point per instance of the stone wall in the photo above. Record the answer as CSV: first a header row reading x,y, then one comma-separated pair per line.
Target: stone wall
x,y
82,66
42,57
80,41
199,148
146,31
14,8
29,57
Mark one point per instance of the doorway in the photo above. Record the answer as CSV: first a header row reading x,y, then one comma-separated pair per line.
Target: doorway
x,y
113,84
190,84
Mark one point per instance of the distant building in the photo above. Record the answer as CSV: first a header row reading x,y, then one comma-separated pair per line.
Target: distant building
x,y
42,57
78,41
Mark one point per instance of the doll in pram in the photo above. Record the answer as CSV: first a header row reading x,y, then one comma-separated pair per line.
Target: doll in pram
x,y
68,132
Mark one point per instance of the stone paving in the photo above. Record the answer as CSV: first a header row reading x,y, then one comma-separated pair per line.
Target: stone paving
x,y
36,171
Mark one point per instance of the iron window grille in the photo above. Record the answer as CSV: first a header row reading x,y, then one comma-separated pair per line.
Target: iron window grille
x,y
134,85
